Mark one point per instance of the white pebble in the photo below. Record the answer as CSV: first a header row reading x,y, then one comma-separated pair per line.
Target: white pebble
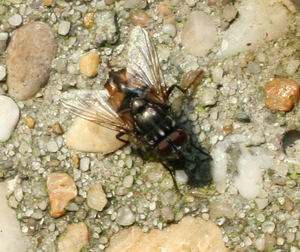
x,y
84,164
268,227
2,72
128,181
52,146
15,20
181,177
260,244
169,29
217,74
9,117
64,27
292,66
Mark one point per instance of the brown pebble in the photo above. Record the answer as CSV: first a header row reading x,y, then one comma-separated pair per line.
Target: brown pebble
x,y
57,128
281,94
167,214
228,129
29,121
289,205
53,163
164,9
88,19
47,2
140,18
89,64
75,160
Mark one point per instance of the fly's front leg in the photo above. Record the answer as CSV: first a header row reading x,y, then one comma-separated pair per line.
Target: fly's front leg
x,y
119,137
188,83
172,173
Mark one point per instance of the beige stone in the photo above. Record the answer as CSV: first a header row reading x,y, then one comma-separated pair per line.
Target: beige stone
x,y
89,64
190,234
62,190
29,55
96,198
86,136
75,239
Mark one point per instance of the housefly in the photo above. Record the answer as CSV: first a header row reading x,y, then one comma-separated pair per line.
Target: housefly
x,y
136,102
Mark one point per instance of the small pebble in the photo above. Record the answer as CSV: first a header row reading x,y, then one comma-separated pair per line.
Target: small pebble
x,y
75,160
262,203
169,29
128,181
140,18
76,238
292,67
62,189
96,198
125,217
47,2
52,146
289,205
181,177
253,67
29,121
89,64
9,117
217,74
57,128
64,28
281,94
2,72
260,244
3,41
167,214
270,241
222,209
88,19
84,164
268,227
15,20
209,97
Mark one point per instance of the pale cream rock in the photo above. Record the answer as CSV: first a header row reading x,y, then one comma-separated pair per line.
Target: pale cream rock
x,y
96,198
89,64
86,136
222,209
9,117
259,21
62,190
76,238
199,34
190,234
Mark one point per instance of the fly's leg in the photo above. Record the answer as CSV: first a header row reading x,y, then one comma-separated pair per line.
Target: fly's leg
x,y
172,173
190,80
119,135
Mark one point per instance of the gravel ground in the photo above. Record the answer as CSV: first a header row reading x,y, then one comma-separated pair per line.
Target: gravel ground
x,y
227,117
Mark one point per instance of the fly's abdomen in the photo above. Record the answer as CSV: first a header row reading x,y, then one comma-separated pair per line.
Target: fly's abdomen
x,y
151,121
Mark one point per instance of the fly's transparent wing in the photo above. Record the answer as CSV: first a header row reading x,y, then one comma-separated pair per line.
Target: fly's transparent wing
x,y
93,106
143,69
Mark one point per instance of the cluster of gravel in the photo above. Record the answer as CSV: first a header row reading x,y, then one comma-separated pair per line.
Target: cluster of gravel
x,y
140,191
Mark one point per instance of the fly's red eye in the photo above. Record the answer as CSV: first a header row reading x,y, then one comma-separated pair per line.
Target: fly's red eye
x,y
164,149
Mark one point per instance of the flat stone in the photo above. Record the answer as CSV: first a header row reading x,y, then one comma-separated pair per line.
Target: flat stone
x,y
96,198
62,189
222,209
86,136
190,234
29,56
64,28
199,34
76,238
9,117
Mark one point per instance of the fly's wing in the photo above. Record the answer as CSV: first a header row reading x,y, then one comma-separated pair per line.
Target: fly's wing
x,y
93,106
143,70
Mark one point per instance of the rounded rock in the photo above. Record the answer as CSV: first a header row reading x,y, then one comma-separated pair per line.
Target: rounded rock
x,y
15,20
140,18
125,216
89,64
9,117
96,198
88,19
167,214
64,28
268,227
281,94
29,56
222,209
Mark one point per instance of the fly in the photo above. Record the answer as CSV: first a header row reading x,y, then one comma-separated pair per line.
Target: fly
x,y
136,102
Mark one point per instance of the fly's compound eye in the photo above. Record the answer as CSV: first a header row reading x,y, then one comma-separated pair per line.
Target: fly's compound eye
x,y
172,146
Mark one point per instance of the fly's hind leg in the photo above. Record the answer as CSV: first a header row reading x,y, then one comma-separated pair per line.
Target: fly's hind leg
x,y
188,84
119,137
